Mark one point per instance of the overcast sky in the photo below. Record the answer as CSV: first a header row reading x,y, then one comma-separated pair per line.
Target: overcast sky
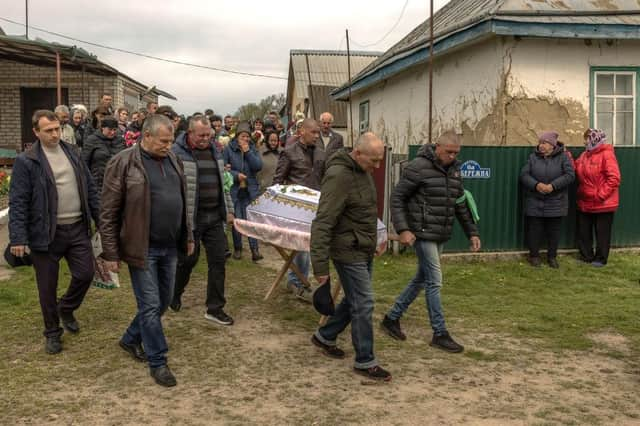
x,y
245,35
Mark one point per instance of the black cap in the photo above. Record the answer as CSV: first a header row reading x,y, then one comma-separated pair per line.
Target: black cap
x,y
109,122
322,300
15,261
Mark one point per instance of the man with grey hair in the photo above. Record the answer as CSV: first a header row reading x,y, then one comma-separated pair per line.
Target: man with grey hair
x,y
345,230
144,222
423,205
331,141
67,133
209,206
302,163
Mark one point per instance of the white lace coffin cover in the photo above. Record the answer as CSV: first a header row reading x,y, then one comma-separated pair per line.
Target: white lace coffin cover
x,y
283,216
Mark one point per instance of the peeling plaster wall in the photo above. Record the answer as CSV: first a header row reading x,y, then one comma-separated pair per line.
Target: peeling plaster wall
x,y
466,87
548,85
502,91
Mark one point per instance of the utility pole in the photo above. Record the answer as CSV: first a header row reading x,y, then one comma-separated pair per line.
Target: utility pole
x,y
26,17
430,70
349,73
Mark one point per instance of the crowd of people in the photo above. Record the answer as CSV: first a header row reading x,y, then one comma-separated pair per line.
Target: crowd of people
x,y
158,187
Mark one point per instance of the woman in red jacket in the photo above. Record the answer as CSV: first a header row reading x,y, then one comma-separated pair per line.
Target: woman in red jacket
x,y
598,178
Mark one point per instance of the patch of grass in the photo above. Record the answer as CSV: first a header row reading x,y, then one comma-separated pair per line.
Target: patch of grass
x,y
557,308
480,355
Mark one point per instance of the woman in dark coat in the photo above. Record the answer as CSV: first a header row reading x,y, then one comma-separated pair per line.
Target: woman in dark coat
x,y
244,163
546,178
100,147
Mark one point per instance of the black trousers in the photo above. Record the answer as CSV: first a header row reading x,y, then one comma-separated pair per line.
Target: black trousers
x,y
72,243
587,223
541,228
209,231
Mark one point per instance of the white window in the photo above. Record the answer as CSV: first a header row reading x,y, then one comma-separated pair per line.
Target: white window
x,y
131,101
615,105
364,117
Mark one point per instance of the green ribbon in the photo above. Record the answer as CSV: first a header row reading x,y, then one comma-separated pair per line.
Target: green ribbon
x,y
471,203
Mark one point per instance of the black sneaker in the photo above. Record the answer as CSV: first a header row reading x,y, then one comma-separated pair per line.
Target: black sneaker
x,y
175,305
328,350
135,351
53,345
69,322
219,317
163,376
237,254
535,261
392,327
255,255
553,263
374,373
446,343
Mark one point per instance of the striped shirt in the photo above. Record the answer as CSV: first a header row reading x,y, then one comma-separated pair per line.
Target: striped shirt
x,y
208,181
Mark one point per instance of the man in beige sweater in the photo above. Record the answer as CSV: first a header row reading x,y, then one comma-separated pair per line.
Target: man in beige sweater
x,y
52,201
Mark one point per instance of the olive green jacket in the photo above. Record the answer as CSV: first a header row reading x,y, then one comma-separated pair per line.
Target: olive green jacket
x,y
345,226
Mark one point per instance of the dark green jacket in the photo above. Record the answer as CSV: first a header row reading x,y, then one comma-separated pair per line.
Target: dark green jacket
x,y
346,223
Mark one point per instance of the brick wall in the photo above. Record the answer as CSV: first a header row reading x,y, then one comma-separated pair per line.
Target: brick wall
x,y
14,75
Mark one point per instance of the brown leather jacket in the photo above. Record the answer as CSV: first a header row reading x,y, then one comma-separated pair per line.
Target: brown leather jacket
x,y
296,166
125,213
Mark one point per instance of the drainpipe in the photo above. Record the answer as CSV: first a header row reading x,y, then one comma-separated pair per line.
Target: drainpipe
x,y
58,78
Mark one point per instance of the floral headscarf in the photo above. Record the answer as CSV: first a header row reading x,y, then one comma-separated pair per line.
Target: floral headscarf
x,y
595,138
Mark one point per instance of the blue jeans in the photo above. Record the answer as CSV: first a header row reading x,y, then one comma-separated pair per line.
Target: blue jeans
x,y
153,288
240,204
429,277
356,308
303,262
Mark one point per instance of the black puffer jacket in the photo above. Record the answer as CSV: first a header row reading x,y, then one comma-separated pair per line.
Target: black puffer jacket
x,y
97,151
557,170
424,201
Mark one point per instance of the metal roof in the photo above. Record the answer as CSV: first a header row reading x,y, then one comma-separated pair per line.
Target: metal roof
x,y
327,68
43,53
460,16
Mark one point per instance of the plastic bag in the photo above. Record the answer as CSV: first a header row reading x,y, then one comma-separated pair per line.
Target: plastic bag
x,y
102,278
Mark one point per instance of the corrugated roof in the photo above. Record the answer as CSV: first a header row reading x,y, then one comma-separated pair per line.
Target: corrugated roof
x,y
459,15
327,68
42,52
333,52
567,7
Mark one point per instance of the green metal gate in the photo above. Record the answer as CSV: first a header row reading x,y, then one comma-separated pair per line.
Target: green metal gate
x,y
500,198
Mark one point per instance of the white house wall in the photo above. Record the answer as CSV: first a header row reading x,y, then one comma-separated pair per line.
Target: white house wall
x,y
502,91
466,87
548,85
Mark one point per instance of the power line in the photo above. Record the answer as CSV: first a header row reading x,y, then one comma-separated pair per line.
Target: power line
x,y
387,33
144,55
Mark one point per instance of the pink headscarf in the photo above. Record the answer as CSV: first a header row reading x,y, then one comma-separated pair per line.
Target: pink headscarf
x,y
549,136
595,138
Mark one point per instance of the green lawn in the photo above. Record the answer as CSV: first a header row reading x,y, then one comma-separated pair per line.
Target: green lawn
x,y
494,308
557,307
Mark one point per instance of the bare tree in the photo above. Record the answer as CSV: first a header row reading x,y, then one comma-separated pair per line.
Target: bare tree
x,y
253,110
